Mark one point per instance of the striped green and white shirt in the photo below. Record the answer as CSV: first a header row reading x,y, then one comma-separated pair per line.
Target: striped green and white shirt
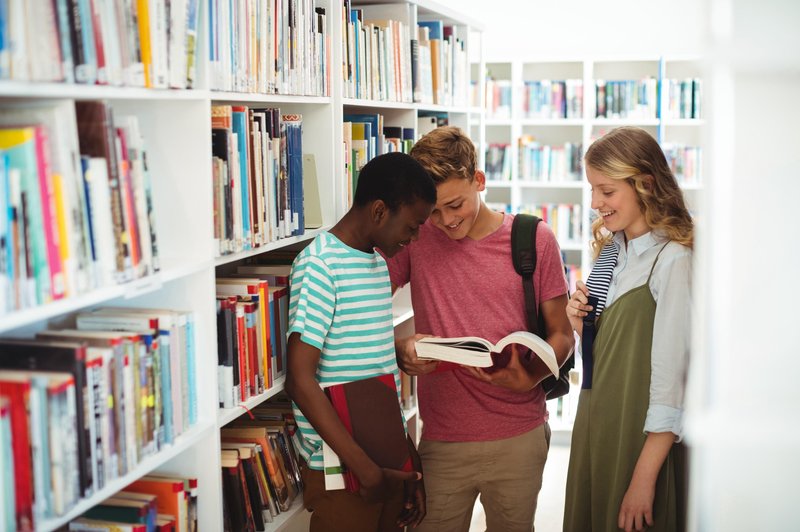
x,y
341,303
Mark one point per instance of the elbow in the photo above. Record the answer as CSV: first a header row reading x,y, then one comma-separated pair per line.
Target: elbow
x,y
290,386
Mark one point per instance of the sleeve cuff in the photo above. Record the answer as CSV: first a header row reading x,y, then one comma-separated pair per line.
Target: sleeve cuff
x,y
662,418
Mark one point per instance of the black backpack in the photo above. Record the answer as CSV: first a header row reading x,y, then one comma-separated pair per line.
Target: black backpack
x,y
523,255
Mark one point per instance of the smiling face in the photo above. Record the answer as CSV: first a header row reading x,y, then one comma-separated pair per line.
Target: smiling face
x,y
458,205
400,227
617,203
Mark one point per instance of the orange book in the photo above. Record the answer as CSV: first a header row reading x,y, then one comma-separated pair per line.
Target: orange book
x,y
170,495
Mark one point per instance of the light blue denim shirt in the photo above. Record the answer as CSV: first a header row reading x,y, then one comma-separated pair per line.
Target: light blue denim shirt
x,y
671,288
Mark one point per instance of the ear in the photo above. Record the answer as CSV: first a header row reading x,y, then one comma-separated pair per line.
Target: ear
x,y
648,182
480,180
378,212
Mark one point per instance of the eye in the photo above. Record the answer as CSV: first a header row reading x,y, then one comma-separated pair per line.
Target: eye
x,y
456,206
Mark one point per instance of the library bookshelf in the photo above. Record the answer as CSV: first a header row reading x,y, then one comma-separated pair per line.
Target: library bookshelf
x,y
176,127
536,135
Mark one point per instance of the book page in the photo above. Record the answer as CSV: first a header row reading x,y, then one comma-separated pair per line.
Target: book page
x,y
536,344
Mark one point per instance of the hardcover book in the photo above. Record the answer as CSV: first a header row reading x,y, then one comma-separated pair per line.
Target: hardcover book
x,y
370,411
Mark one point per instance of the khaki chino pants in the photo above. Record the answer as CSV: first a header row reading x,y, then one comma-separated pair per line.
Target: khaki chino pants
x,y
506,473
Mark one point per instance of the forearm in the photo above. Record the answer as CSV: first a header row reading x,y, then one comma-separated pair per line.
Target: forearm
x,y
563,344
655,450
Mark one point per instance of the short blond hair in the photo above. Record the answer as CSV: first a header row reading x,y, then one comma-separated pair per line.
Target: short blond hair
x,y
446,152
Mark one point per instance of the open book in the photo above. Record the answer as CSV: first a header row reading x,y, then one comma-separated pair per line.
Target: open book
x,y
477,352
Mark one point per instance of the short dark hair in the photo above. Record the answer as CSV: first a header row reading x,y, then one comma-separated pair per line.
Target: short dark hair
x,y
396,179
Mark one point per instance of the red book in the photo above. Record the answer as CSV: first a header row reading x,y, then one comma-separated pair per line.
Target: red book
x,y
17,394
370,411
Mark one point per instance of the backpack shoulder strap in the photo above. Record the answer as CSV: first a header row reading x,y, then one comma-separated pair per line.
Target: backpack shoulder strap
x,y
523,255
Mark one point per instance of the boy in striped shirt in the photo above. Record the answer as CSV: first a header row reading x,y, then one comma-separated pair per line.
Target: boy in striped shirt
x,y
340,330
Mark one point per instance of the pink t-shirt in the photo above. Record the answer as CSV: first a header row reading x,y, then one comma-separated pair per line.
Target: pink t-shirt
x,y
470,288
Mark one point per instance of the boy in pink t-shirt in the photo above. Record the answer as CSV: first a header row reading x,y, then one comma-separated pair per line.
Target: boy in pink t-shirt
x,y
483,432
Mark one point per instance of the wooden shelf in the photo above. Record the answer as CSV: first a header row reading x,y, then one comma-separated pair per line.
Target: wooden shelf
x,y
226,415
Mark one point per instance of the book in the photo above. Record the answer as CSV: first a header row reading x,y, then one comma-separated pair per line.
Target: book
x,y
477,352
370,410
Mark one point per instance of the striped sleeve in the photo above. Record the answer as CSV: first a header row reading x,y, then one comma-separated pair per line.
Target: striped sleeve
x,y
311,301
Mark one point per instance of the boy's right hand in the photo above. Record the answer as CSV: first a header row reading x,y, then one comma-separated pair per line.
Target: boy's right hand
x,y
578,307
407,358
378,484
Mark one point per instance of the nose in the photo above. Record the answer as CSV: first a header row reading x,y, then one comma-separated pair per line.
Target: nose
x,y
595,202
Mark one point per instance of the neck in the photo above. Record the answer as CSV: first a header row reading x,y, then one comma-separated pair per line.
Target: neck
x,y
486,222
351,231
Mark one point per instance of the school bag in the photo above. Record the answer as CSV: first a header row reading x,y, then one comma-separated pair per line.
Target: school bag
x,y
523,255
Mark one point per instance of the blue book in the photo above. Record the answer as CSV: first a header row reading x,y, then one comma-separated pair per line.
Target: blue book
x,y
87,39
239,127
164,349
355,18
191,367
5,52
20,147
62,14
436,28
294,154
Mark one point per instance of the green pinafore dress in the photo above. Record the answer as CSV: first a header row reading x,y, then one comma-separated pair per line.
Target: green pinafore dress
x,y
608,436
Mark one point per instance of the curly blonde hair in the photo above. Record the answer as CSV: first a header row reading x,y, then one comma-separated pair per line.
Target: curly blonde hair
x,y
446,152
632,155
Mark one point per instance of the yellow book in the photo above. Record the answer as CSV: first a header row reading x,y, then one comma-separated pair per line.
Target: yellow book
x,y
61,223
143,17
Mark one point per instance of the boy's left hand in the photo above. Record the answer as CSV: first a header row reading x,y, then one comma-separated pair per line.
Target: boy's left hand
x,y
515,376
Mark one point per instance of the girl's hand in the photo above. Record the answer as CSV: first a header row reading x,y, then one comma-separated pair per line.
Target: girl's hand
x,y
578,307
636,511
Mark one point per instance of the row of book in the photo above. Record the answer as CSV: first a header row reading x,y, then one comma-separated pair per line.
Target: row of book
x,y
686,162
140,43
366,136
553,99
627,98
385,59
154,503
683,98
260,467
257,160
498,162
269,47
546,163
252,321
86,405
498,99
563,218
76,208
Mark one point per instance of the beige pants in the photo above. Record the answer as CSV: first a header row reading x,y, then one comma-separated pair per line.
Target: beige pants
x,y
506,473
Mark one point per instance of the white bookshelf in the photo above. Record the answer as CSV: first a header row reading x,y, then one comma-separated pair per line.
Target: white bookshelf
x,y
176,126
583,129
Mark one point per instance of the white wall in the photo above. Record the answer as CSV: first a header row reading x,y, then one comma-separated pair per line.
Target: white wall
x,y
578,29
